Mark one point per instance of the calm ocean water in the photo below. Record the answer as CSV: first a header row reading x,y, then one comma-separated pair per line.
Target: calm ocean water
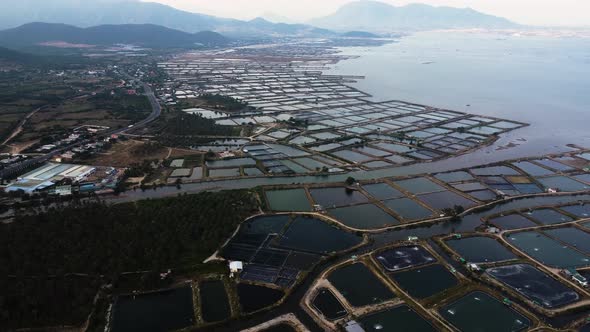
x,y
543,81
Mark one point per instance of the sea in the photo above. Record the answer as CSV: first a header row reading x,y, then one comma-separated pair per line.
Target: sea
x,y
540,80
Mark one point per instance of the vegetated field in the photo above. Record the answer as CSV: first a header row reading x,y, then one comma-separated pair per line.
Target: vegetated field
x,y
129,152
23,91
103,241
181,129
104,109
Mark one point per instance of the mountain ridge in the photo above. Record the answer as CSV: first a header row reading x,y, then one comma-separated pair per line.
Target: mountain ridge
x,y
148,35
378,16
101,12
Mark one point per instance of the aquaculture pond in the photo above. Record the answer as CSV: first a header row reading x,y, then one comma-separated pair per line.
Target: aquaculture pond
x,y
214,301
512,221
424,282
533,169
548,216
161,311
288,200
478,311
580,211
335,197
382,191
481,249
534,285
359,285
419,186
548,251
401,318
408,209
446,199
572,236
365,216
257,229
563,183
280,328
328,305
254,297
311,234
454,177
404,257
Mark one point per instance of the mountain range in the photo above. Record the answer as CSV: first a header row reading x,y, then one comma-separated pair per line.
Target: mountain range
x,y
362,15
147,35
89,13
382,17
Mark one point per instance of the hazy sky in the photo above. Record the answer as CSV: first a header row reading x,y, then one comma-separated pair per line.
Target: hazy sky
x,y
533,12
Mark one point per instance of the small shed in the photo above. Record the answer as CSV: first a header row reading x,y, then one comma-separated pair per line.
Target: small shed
x,y
236,267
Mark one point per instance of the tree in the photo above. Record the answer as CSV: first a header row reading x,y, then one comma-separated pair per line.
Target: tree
x,y
350,181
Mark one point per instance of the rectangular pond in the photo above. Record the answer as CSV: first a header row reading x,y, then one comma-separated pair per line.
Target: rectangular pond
x,y
328,305
359,285
446,199
419,186
548,216
580,211
572,236
338,196
365,216
161,311
481,249
548,251
214,301
314,235
424,282
382,191
478,311
253,297
408,209
512,221
288,200
404,257
398,319
534,285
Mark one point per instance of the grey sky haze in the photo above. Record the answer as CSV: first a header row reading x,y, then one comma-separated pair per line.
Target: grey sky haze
x,y
532,12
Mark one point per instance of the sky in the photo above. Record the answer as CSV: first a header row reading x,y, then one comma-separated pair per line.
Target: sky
x,y
530,12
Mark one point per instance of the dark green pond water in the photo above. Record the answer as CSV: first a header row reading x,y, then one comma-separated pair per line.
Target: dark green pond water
x,y
548,251
280,328
512,221
548,216
335,197
157,312
481,249
572,236
480,312
214,302
408,209
312,234
382,191
329,305
419,185
288,200
359,285
398,319
365,216
254,297
425,281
